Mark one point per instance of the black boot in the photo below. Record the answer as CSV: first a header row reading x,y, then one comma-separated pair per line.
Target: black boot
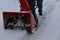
x,y
40,13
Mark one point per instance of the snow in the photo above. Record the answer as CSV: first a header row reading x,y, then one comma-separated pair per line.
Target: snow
x,y
11,6
49,27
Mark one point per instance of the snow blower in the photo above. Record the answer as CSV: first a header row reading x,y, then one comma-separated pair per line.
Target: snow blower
x,y
23,20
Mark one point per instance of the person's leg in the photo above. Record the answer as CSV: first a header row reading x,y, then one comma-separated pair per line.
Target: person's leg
x,y
32,5
39,4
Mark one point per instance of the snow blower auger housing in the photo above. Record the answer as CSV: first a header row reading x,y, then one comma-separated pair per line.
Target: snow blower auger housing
x,y
20,20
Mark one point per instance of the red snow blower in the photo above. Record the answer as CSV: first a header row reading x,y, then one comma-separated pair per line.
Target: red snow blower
x,y
20,20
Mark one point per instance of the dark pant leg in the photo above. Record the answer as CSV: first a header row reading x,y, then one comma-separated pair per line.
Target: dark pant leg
x,y
32,5
39,4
